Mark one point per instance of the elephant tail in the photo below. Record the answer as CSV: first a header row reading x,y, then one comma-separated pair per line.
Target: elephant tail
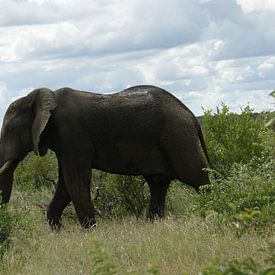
x,y
201,138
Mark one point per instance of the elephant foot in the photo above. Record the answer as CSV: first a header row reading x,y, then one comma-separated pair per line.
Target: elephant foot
x,y
54,224
88,223
55,227
155,211
54,221
153,216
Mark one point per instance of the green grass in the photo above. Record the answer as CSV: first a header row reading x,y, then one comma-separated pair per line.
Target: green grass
x,y
172,246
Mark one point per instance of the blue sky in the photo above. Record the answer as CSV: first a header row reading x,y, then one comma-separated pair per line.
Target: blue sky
x,y
203,51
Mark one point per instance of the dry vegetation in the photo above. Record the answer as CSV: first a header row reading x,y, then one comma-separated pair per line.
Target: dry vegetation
x,y
172,246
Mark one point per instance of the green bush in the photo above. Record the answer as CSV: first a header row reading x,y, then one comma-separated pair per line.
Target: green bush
x,y
117,196
35,171
233,138
101,261
180,200
12,221
243,267
6,226
245,199
242,149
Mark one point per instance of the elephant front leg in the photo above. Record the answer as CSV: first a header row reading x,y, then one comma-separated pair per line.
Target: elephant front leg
x,y
60,200
77,176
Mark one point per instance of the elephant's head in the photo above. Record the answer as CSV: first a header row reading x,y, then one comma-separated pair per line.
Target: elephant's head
x,y
24,121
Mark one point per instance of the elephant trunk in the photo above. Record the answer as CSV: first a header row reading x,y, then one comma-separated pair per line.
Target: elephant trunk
x,y
6,180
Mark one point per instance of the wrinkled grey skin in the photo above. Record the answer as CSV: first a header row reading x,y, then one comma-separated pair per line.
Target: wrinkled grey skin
x,y
142,130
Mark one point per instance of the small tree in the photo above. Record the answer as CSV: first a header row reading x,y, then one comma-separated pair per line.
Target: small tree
x,y
233,138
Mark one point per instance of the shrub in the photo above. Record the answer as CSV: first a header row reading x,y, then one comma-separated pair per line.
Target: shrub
x,y
243,267
242,149
180,200
233,138
12,221
245,199
6,226
117,195
101,261
35,172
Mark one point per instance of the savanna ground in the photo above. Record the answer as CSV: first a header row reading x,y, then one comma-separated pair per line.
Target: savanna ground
x,y
226,229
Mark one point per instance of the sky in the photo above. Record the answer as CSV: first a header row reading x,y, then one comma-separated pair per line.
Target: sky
x,y
203,51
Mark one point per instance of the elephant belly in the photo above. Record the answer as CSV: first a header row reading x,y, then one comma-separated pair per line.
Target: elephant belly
x,y
131,159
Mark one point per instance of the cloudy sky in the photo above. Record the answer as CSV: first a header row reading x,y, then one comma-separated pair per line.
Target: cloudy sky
x,y
203,51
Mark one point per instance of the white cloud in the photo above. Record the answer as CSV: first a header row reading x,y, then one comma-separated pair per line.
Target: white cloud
x,y
254,5
204,52
3,91
267,69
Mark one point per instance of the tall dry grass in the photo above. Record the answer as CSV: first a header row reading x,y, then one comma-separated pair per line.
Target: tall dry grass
x,y
132,246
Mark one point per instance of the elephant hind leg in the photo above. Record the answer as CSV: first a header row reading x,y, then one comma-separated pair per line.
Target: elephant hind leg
x,y
158,185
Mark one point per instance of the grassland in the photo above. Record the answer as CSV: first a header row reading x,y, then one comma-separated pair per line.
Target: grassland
x,y
175,245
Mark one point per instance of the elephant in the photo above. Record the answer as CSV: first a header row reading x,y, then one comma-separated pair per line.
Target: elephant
x,y
142,130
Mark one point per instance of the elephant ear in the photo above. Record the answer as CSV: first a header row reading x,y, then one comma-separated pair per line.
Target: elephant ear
x,y
44,103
